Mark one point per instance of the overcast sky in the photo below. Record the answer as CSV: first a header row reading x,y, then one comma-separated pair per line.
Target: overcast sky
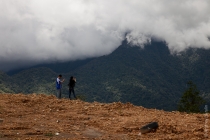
x,y
37,31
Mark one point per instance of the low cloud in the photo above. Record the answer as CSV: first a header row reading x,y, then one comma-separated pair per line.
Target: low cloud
x,y
33,32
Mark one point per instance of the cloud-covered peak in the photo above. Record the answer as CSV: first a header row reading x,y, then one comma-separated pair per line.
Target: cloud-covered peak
x,y
33,32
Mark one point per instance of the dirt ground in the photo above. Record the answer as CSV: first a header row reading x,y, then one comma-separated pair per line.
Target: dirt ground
x,y
44,117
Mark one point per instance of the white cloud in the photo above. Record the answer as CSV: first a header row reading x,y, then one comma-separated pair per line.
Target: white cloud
x,y
35,31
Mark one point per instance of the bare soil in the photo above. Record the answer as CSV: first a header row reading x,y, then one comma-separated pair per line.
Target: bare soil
x,y
44,117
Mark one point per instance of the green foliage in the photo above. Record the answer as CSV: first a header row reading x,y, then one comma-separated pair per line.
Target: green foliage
x,y
150,77
190,101
36,80
50,134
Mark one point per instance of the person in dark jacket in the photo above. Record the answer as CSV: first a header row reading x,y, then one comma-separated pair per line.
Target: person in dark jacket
x,y
71,85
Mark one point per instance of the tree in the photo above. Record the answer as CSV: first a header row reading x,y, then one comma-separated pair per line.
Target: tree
x,y
190,101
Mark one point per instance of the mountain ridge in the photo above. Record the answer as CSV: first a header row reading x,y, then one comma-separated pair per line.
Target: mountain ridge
x,y
150,77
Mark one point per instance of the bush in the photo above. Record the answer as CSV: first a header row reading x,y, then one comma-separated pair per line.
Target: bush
x,y
190,101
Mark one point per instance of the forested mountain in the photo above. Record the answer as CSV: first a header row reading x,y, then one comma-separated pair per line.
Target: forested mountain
x,y
151,77
6,84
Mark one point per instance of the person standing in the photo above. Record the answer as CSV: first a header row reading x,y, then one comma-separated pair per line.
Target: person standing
x,y
59,85
71,85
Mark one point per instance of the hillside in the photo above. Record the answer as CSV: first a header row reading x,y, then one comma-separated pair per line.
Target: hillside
x,y
46,117
7,84
149,77
36,80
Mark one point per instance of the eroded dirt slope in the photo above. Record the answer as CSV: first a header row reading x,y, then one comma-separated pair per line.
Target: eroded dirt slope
x,y
46,117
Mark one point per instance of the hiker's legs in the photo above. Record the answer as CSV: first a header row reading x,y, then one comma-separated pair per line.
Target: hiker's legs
x,y
69,93
59,93
74,93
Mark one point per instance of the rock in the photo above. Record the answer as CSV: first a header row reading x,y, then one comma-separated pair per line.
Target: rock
x,y
1,120
56,134
149,127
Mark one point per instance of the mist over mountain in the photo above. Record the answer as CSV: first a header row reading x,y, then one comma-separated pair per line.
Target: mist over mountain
x,y
151,77
53,31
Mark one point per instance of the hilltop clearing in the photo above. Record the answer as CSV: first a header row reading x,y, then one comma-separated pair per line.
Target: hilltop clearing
x,y
39,116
